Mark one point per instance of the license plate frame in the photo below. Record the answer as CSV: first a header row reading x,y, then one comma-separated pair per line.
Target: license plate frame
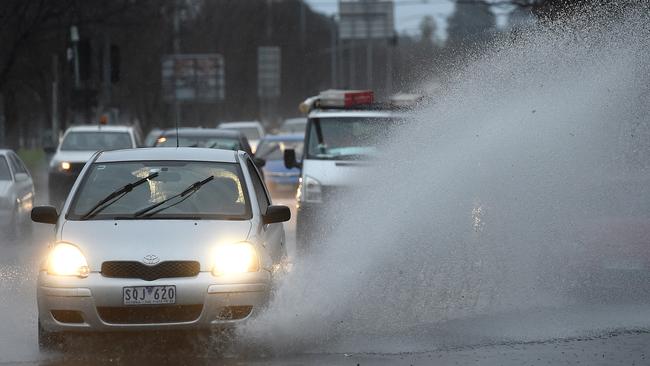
x,y
149,295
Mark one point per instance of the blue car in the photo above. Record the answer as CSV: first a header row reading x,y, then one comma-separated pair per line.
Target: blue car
x,y
271,149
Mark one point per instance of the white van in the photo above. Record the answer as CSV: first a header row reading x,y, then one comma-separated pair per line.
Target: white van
x,y
345,131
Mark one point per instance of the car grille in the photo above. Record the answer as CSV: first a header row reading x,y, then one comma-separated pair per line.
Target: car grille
x,y
132,269
149,314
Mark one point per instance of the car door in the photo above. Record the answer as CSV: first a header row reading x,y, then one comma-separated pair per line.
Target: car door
x,y
23,182
271,235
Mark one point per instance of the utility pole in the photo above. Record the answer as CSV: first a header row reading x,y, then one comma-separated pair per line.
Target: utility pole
x,y
368,45
303,42
353,64
369,64
2,121
177,50
333,53
55,100
303,25
74,37
389,68
106,68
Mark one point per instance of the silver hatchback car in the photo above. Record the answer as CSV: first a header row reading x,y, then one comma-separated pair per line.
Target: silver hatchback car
x,y
164,238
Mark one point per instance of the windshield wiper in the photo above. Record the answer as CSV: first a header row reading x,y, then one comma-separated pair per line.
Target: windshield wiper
x,y
115,196
185,194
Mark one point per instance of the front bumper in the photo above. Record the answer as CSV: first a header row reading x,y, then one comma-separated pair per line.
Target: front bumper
x,y
208,296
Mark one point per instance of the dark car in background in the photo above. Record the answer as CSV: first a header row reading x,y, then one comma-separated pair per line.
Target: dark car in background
x,y
212,138
152,137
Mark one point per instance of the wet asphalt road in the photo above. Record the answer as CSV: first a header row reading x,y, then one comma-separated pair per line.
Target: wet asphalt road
x,y
613,342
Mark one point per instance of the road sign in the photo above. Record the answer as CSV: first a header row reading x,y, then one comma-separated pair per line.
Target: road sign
x,y
366,19
269,66
193,77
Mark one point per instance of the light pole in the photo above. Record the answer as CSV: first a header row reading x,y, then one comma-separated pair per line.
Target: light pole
x,y
74,37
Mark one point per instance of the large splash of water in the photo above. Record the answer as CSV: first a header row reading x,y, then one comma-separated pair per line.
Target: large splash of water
x,y
477,209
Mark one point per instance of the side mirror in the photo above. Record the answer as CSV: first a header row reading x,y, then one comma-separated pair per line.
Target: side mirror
x,y
49,150
259,162
21,177
45,214
276,213
290,159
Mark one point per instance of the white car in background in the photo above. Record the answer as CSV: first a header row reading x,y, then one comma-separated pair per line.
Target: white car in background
x,y
159,239
253,130
16,195
79,143
293,126
346,132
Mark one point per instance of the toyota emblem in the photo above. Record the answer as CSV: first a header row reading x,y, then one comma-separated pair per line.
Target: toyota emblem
x,y
151,259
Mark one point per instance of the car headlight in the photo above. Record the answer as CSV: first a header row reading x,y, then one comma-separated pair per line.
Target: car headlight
x,y
235,258
67,260
60,166
309,190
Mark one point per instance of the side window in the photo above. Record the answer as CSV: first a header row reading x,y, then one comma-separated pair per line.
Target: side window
x,y
16,164
260,192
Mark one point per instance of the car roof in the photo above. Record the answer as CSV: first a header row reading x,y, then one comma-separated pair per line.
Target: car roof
x,y
98,128
295,121
195,131
343,113
5,151
240,124
284,137
168,153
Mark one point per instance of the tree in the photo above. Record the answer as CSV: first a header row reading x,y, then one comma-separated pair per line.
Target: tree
x,y
471,24
427,29
32,33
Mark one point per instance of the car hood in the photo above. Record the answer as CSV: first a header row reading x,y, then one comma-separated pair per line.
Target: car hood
x,y
73,156
132,240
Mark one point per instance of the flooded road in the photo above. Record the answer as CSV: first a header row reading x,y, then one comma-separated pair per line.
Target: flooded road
x,y
605,334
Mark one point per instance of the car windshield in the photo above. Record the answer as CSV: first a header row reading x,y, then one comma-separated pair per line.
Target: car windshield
x,y
251,133
94,141
226,143
274,150
5,174
224,197
333,138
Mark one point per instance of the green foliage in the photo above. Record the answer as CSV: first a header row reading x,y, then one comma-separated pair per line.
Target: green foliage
x,y
33,158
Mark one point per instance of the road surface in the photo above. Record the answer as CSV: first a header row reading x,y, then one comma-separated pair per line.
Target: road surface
x,y
545,337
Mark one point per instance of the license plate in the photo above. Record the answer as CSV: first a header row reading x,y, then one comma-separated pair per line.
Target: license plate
x,y
149,295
